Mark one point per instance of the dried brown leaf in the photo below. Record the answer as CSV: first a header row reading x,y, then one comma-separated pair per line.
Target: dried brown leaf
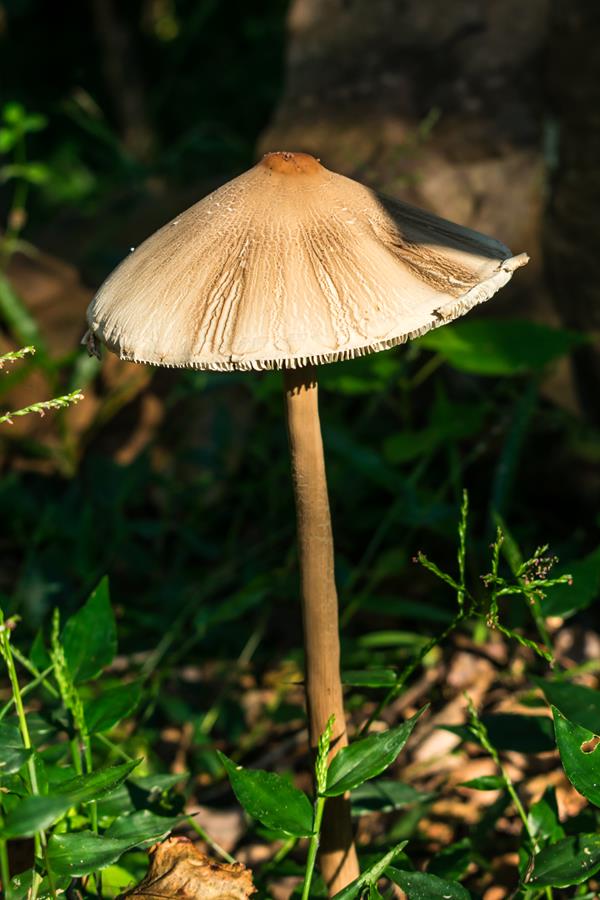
x,y
179,870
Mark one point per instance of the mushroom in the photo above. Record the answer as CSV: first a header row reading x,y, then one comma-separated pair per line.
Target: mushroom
x,y
286,267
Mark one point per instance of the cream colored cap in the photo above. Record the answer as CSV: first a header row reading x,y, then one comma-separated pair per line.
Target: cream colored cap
x,y
290,264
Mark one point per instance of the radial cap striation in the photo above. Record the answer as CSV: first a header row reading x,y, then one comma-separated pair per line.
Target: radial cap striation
x,y
290,264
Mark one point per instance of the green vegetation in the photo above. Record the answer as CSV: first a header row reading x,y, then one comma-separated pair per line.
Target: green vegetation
x,y
178,698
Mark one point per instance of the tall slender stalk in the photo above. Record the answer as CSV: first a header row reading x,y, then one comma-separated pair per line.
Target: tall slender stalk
x,y
339,864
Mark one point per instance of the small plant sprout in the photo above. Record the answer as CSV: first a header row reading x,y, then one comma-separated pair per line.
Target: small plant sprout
x,y
286,267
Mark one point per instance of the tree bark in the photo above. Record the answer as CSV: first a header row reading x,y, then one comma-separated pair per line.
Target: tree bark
x,y
339,865
573,217
440,104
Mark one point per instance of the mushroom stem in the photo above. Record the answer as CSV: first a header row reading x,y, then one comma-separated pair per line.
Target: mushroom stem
x,y
339,864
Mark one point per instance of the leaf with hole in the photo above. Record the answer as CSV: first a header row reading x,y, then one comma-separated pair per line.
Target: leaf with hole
x,y
570,861
367,758
579,755
271,799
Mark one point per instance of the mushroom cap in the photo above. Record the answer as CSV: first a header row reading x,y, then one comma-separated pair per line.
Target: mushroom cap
x,y
288,265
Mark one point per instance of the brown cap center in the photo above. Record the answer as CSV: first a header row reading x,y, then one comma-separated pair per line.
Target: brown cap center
x,y
285,163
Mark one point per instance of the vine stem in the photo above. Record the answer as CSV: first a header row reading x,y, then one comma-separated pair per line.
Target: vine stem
x,y
313,847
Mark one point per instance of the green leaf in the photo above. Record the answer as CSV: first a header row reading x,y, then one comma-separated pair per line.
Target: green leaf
x,y
422,886
33,814
271,799
84,852
371,875
384,796
369,677
485,783
565,599
103,712
20,886
8,139
39,812
141,826
576,702
510,731
543,821
579,755
452,862
38,654
84,788
13,754
570,861
145,792
367,758
89,637
500,346
13,113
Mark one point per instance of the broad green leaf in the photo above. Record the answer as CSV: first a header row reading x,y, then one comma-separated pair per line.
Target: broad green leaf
x,y
84,788
510,731
578,703
369,677
38,654
142,826
39,812
142,792
20,886
371,875
452,862
579,755
271,799
565,599
484,783
13,754
543,821
422,886
84,852
89,637
570,861
34,814
104,712
500,346
367,758
385,795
